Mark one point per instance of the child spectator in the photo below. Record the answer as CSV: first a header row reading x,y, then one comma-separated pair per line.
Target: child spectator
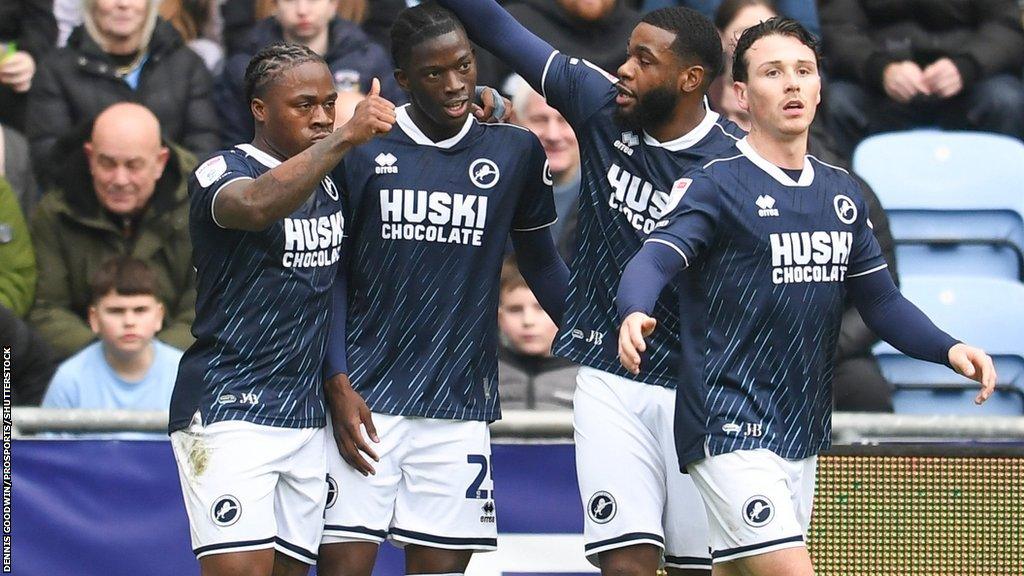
x,y
128,368
528,375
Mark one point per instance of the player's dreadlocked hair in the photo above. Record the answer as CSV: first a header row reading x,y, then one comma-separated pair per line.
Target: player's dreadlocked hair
x,y
696,37
773,26
417,24
270,61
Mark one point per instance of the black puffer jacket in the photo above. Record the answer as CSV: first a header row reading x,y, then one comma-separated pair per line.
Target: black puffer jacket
x,y
982,37
77,82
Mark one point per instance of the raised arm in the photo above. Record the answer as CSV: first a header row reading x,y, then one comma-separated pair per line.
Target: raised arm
x,y
255,204
897,321
646,275
490,26
543,269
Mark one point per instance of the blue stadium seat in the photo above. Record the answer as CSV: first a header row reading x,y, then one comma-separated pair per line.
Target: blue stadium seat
x,y
958,260
950,189
985,312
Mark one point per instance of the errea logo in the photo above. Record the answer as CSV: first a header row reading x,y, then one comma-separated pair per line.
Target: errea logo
x,y
626,142
386,163
766,206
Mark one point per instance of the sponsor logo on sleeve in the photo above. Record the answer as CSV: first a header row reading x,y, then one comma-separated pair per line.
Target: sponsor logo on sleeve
x,y
211,171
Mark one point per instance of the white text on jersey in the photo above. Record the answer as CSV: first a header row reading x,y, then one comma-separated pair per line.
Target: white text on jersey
x,y
810,256
638,200
433,216
313,242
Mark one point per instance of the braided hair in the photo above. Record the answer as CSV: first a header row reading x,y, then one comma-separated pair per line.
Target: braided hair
x,y
271,61
418,24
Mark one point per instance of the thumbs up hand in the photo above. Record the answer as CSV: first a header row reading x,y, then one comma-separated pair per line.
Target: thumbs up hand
x,y
374,115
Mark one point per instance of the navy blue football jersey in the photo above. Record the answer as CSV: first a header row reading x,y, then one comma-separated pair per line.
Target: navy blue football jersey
x,y
625,192
262,306
429,226
770,255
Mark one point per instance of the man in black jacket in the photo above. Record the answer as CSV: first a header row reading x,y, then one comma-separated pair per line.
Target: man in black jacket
x,y
123,52
899,64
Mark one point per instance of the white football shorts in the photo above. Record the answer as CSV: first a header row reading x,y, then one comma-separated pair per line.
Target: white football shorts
x,y
630,483
757,502
432,487
250,487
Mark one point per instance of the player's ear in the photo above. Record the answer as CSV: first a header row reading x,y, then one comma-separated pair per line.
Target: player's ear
x,y
740,89
402,78
259,109
691,79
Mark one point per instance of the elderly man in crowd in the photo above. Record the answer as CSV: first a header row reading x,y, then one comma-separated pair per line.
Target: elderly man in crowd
x,y
563,152
122,192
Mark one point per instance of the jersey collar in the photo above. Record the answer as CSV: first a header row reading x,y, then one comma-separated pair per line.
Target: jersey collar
x,y
690,138
260,156
806,177
413,131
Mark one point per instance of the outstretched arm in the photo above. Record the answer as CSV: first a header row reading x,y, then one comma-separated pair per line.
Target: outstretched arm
x,y
897,321
543,269
646,275
490,26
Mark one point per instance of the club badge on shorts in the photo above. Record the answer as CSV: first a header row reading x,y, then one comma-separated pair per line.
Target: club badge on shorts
x,y
758,511
226,511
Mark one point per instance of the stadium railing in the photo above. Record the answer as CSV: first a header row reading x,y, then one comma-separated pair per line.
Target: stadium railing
x,y
847,427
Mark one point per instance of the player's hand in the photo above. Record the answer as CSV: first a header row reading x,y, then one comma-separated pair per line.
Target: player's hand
x,y
904,80
374,115
493,106
349,415
943,78
17,70
635,328
976,365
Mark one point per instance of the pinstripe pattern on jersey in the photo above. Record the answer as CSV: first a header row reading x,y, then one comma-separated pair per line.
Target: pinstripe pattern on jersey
x,y
261,326
607,235
761,349
422,317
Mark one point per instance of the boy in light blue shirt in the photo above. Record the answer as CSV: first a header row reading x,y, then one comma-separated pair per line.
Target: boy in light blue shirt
x,y
127,368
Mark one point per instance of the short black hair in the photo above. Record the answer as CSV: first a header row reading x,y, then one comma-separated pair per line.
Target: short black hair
x,y
270,61
696,37
419,24
125,275
729,9
778,26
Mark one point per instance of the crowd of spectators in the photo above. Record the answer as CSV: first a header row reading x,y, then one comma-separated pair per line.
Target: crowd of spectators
x,y
106,106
